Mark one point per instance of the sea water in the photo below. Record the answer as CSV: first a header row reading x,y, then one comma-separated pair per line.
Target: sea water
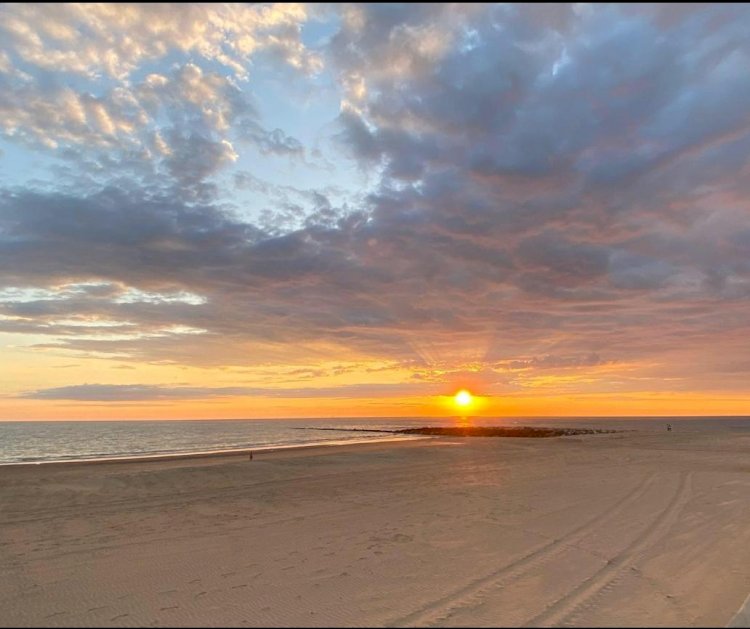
x,y
40,441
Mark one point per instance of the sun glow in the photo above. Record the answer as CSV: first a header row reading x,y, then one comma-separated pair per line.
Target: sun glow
x,y
463,398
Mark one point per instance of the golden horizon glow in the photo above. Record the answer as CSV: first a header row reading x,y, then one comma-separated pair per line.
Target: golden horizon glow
x,y
636,404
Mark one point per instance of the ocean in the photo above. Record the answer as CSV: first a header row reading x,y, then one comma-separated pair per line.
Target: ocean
x,y
44,441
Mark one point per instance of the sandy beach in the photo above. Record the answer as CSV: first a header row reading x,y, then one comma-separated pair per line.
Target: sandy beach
x,y
599,530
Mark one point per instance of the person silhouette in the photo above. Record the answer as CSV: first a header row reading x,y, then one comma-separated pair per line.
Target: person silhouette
x,y
669,427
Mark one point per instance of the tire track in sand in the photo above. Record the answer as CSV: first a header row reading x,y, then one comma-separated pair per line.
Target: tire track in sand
x,y
584,596
475,591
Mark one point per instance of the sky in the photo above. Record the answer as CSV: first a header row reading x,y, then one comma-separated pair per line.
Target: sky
x,y
238,211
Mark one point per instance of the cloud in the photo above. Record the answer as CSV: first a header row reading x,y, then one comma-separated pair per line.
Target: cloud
x,y
274,142
557,362
172,129
147,392
545,187
115,39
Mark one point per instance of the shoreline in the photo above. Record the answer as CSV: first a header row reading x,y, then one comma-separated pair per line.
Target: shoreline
x,y
204,454
423,432
500,432
54,449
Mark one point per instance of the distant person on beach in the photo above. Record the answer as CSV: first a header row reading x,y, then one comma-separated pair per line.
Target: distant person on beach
x,y
669,427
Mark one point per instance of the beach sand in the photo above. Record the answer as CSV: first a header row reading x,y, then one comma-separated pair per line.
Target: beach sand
x,y
601,530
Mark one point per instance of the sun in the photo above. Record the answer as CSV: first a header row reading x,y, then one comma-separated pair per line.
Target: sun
x,y
463,398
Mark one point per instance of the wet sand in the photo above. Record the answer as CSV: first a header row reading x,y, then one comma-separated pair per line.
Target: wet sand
x,y
597,530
